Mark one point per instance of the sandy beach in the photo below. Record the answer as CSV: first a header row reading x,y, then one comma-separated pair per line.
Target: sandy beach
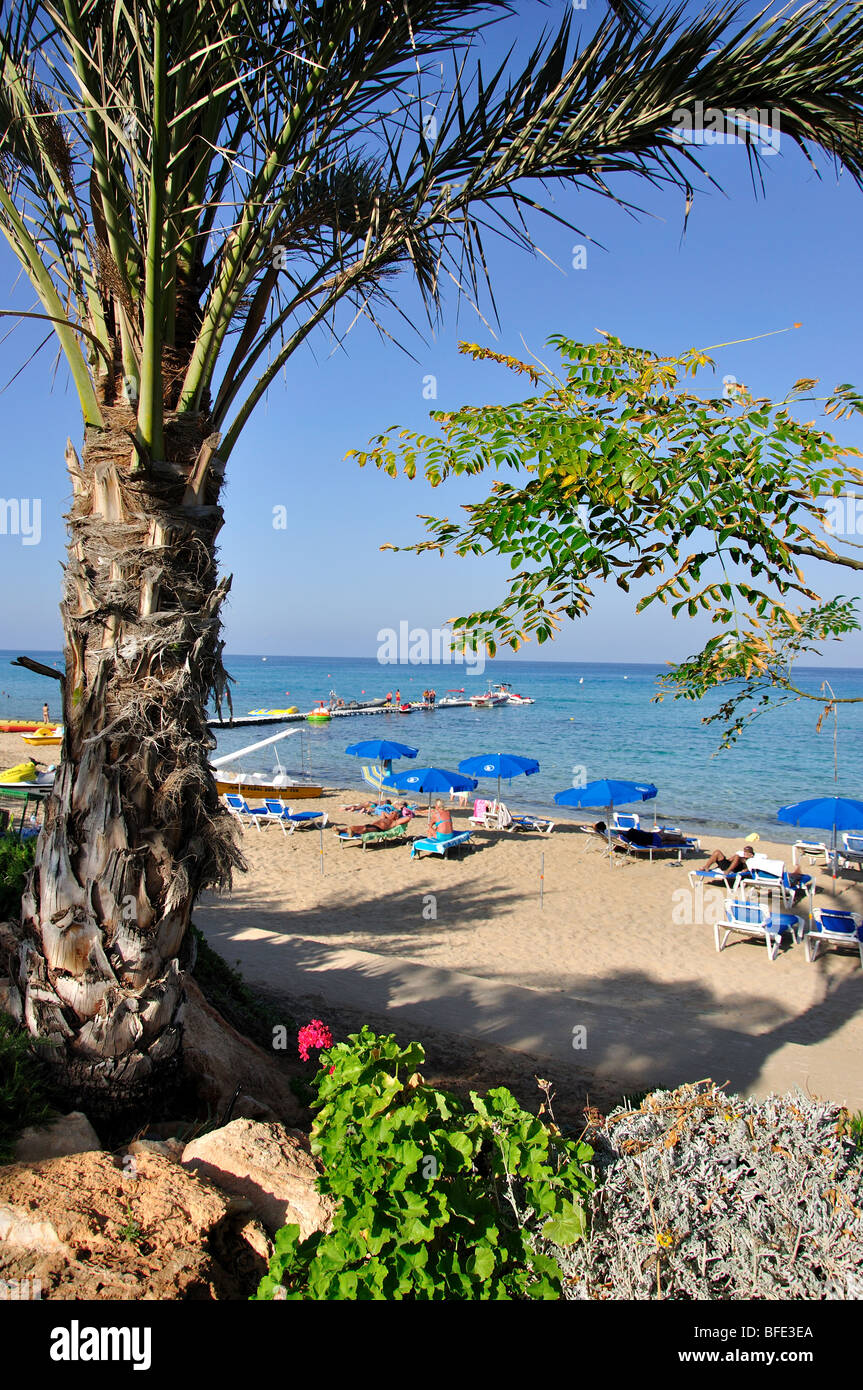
x,y
613,984
623,951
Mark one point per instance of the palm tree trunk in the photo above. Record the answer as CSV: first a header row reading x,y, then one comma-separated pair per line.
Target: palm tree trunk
x,y
133,827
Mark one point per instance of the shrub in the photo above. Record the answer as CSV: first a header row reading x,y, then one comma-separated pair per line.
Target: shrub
x,y
23,1097
708,1196
16,860
437,1199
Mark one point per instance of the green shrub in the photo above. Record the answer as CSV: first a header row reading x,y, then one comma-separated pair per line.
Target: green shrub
x,y
16,859
23,1097
437,1199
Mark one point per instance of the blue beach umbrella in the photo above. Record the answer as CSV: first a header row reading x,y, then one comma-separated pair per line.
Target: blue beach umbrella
x,y
825,813
499,765
606,793
381,750
429,779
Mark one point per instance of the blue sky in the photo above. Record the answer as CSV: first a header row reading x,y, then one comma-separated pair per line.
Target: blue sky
x,y
745,266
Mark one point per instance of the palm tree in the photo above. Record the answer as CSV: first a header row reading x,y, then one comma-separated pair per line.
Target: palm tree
x,y
191,190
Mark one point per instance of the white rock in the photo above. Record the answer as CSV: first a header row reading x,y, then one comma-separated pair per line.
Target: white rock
x,y
267,1163
69,1134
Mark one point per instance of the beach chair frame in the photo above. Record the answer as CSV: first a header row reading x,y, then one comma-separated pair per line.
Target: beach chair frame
x,y
424,844
851,854
758,927
255,816
819,936
370,837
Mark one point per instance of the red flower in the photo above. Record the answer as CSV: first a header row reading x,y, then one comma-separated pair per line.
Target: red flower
x,y
315,1034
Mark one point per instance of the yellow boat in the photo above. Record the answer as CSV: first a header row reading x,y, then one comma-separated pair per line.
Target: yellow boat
x,y
256,791
48,734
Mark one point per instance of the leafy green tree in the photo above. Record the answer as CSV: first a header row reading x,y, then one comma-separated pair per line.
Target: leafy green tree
x,y
191,191
621,471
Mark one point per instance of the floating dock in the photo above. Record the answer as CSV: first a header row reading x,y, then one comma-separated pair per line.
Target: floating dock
x,y
248,721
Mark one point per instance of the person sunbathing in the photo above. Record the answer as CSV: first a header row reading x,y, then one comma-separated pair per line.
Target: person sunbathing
x,y
652,839
737,864
384,822
440,822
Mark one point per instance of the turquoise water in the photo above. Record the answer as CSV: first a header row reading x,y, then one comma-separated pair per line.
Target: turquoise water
x,y
595,717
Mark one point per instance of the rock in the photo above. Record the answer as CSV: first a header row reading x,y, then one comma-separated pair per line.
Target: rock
x,y
169,1148
270,1165
20,1232
68,1134
88,1230
219,1059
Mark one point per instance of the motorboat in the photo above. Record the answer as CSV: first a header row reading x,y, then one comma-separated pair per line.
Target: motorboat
x,y
508,695
452,698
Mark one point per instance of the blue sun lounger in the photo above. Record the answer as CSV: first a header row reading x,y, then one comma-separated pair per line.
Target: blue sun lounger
x,y
293,820
442,846
834,927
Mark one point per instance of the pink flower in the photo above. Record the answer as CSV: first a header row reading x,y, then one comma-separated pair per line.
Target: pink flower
x,y
315,1034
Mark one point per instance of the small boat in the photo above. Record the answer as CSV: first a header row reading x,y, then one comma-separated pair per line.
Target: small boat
x,y
249,786
257,785
273,713
19,726
45,734
508,696
405,709
493,696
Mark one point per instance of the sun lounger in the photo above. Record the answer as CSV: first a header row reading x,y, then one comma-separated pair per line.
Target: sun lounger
x,y
851,854
371,837
626,820
457,841
771,876
754,919
834,927
538,823
686,845
491,815
814,850
294,820
240,808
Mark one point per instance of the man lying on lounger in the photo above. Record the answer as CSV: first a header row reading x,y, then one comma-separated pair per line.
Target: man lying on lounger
x,y
646,839
400,815
737,864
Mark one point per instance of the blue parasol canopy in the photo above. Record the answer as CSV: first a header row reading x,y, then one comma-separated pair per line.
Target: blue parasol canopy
x,y
381,749
607,793
825,813
499,765
429,779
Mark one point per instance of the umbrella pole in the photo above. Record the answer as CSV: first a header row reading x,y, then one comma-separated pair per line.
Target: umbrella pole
x,y
541,876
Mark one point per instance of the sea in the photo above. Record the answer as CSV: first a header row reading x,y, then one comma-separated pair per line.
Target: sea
x,y
591,720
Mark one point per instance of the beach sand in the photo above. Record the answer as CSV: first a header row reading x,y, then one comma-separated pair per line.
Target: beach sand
x,y
461,948
613,985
